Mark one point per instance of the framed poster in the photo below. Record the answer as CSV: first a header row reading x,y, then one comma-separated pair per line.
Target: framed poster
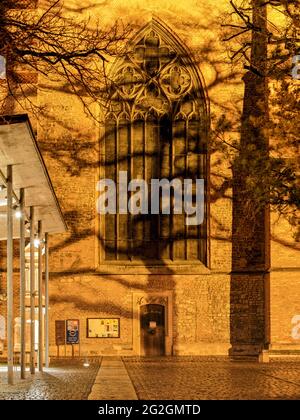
x,y
72,331
103,328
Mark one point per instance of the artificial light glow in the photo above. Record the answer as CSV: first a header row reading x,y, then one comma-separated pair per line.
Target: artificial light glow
x,y
86,364
18,214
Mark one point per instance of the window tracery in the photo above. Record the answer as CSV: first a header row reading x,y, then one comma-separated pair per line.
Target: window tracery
x,y
155,129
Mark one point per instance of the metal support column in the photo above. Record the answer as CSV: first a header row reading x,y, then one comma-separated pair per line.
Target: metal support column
x,y
46,301
40,296
32,293
22,284
10,295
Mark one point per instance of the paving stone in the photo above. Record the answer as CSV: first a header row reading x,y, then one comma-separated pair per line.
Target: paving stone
x,y
65,380
201,378
168,378
112,382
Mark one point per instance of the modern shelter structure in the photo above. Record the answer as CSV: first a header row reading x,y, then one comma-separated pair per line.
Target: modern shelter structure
x,y
29,212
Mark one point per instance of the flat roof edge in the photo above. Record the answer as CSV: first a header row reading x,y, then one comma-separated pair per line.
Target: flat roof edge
x,y
23,118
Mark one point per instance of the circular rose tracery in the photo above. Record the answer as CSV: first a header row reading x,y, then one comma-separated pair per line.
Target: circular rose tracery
x,y
176,80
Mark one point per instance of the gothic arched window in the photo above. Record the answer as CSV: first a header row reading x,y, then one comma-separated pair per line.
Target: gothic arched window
x,y
156,127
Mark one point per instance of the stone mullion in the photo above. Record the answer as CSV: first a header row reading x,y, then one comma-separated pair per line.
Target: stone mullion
x,y
117,218
201,174
145,172
172,158
186,230
130,216
201,228
159,218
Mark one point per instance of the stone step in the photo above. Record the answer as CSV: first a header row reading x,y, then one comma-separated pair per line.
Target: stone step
x,y
243,358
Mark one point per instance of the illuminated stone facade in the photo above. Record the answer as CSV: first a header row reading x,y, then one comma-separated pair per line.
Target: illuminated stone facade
x,y
213,305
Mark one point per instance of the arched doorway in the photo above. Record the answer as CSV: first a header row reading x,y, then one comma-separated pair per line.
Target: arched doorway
x,y
152,322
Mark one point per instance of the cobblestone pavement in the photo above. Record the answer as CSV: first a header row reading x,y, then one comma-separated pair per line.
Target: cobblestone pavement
x,y
199,378
68,380
163,378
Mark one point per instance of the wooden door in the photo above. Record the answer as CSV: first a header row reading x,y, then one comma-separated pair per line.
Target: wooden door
x,y
152,330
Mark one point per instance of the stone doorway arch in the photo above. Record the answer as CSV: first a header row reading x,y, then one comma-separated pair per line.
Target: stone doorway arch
x,y
162,299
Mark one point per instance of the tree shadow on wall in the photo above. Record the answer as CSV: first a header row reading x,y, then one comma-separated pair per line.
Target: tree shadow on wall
x,y
249,296
156,127
160,242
